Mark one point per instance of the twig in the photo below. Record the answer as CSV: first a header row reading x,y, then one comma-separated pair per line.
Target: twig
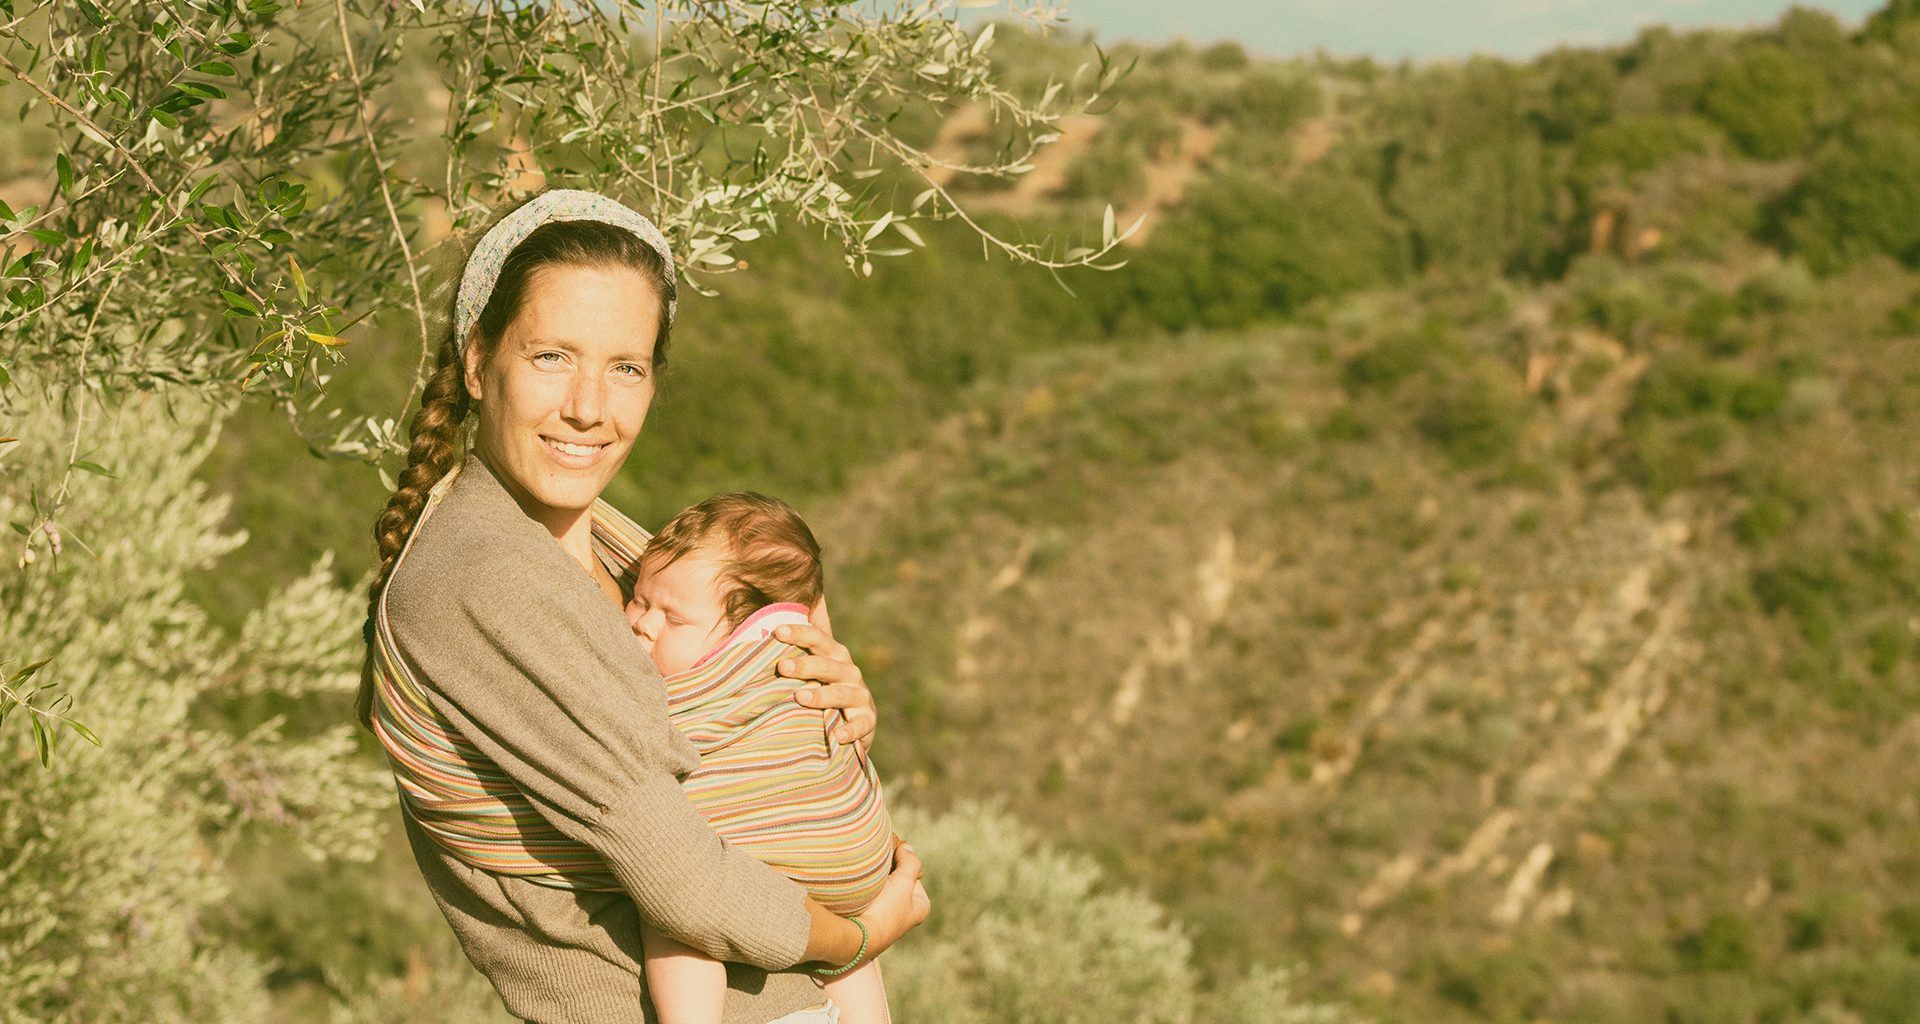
x,y
386,195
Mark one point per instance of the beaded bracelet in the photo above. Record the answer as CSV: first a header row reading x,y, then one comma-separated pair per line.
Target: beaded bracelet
x,y
835,972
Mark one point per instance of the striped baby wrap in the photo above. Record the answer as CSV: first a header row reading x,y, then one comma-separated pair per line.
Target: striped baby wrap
x,y
772,779
776,784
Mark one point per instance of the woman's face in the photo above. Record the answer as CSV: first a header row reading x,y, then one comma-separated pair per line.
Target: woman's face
x,y
563,398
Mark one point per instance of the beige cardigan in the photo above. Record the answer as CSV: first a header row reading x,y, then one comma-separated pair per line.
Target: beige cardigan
x,y
517,646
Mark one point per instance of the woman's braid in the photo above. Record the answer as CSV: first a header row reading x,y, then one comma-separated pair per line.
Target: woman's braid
x,y
435,449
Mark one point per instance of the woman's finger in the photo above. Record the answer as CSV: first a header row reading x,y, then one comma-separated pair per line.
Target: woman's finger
x,y
848,697
814,668
814,640
855,704
905,860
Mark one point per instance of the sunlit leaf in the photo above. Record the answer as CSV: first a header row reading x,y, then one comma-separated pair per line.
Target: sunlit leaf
x,y
27,673
85,733
200,188
240,302
983,40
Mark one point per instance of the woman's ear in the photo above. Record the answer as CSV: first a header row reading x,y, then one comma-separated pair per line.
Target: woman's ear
x,y
470,362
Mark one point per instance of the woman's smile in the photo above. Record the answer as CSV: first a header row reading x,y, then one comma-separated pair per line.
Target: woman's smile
x,y
578,454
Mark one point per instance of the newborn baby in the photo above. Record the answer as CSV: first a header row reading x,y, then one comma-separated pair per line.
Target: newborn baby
x,y
714,584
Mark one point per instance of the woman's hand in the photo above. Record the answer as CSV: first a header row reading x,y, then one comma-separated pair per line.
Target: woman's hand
x,y
902,904
841,685
899,908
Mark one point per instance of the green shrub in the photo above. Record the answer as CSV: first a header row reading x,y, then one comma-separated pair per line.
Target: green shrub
x,y
1602,292
1582,93
1809,590
1477,417
1025,932
1249,250
1723,943
1624,149
1860,197
117,859
1267,100
1400,354
1766,99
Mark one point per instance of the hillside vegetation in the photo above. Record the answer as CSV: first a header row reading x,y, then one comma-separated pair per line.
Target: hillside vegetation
x,y
1469,551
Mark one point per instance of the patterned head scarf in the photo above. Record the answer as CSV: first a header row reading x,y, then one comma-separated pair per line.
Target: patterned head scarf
x,y
483,266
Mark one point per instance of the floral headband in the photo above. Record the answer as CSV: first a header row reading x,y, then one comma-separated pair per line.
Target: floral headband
x,y
483,266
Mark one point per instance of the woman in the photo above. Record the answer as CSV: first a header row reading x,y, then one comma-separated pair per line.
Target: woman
x,y
525,722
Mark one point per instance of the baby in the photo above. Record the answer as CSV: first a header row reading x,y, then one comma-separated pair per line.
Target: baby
x,y
714,584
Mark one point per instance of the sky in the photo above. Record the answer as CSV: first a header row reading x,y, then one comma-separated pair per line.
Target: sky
x,y
1421,29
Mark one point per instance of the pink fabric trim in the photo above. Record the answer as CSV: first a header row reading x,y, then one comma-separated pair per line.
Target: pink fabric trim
x,y
759,626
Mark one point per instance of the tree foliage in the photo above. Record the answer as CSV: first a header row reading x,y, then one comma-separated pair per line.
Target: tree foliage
x,y
117,855
232,187
1766,99
1859,198
247,169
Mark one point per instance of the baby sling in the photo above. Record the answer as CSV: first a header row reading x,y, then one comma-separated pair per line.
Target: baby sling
x,y
765,780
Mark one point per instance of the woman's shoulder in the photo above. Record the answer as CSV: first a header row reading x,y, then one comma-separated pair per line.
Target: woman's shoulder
x,y
473,542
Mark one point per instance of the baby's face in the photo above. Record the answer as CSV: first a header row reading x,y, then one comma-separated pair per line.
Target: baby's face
x,y
677,610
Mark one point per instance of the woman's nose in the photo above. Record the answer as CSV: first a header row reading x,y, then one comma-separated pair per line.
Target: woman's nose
x,y
586,400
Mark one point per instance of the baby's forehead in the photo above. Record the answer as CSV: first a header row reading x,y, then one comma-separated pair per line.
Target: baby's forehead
x,y
699,565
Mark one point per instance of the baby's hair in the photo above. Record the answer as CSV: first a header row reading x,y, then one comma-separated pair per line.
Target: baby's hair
x,y
767,554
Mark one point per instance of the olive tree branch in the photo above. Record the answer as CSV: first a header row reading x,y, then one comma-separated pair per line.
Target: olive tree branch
x,y
386,196
138,168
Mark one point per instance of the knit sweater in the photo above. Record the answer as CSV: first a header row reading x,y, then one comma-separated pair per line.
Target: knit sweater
x,y
524,655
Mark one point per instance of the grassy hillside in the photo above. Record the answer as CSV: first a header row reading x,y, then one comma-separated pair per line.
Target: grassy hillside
x,y
1397,641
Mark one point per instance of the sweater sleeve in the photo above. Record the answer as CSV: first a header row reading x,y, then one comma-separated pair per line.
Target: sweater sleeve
x,y
549,682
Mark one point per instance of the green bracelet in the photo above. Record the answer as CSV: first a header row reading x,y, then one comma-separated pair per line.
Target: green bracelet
x,y
851,964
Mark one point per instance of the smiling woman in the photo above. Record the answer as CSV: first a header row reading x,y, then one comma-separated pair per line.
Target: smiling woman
x,y
524,721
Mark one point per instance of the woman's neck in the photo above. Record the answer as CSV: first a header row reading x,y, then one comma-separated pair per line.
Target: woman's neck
x,y
572,528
